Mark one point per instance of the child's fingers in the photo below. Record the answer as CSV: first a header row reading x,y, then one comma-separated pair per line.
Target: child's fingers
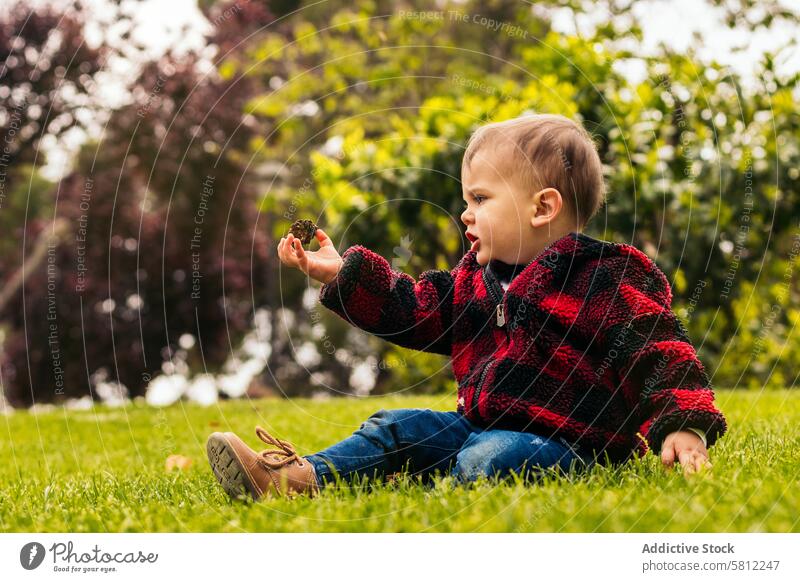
x,y
696,464
289,245
668,456
280,248
299,250
687,461
324,239
701,462
285,255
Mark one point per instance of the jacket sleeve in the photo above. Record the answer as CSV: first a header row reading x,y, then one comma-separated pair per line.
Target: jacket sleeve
x,y
661,378
389,304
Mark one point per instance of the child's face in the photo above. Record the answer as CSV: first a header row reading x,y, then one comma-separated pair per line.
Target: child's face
x,y
499,211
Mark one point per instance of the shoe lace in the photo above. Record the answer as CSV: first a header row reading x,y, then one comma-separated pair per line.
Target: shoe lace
x,y
276,458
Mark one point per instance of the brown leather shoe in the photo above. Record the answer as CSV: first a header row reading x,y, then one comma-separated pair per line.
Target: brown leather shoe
x,y
272,472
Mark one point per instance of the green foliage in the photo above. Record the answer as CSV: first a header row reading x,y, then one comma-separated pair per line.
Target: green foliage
x,y
698,165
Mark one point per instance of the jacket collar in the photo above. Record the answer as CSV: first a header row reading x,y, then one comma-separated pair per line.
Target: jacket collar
x,y
559,256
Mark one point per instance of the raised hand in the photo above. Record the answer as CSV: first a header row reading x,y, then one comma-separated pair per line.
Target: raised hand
x,y
322,265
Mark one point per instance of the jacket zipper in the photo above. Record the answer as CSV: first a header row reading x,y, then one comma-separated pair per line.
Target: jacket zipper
x,y
500,310
500,315
479,386
501,321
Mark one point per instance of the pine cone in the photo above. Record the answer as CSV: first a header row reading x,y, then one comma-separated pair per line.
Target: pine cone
x,y
303,230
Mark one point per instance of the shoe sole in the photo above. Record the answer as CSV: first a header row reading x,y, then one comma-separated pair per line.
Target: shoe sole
x,y
229,469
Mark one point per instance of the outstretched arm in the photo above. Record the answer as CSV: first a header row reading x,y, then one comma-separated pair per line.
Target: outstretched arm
x,y
390,304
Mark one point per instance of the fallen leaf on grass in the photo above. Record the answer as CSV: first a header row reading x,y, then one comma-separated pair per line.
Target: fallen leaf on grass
x,y
177,462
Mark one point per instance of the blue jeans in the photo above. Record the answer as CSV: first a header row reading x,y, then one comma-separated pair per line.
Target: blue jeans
x,y
426,442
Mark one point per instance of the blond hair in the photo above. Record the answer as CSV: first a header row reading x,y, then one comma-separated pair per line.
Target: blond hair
x,y
549,151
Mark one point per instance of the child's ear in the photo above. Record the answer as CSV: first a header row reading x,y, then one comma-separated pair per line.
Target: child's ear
x,y
546,205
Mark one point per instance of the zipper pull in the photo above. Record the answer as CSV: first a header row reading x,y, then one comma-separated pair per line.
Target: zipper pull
x,y
501,316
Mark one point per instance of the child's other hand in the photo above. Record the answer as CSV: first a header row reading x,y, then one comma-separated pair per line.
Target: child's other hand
x,y
322,265
688,449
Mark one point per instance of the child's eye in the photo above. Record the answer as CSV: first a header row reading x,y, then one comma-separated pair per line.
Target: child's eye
x,y
477,198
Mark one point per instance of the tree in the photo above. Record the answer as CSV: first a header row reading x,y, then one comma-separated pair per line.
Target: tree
x,y
44,58
164,262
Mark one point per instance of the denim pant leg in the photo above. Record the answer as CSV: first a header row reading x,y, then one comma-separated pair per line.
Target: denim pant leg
x,y
419,440
498,452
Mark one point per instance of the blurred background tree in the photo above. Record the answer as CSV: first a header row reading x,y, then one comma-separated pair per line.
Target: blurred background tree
x,y
356,116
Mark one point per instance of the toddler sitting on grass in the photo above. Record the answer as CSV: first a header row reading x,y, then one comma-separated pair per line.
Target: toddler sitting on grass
x,y
564,347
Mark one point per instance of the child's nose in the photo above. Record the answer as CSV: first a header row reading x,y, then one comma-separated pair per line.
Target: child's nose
x,y
466,217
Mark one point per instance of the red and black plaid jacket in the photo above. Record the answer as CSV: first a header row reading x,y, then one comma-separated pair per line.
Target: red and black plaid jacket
x,y
582,345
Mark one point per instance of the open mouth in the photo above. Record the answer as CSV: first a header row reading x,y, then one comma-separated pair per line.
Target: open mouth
x,y
474,240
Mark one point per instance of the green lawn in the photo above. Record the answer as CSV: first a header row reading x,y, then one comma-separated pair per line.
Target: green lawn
x,y
103,470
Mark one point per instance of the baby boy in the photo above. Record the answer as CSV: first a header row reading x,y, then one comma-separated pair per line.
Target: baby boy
x,y
564,347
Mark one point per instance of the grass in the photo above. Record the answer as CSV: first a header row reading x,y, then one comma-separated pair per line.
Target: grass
x,y
102,470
